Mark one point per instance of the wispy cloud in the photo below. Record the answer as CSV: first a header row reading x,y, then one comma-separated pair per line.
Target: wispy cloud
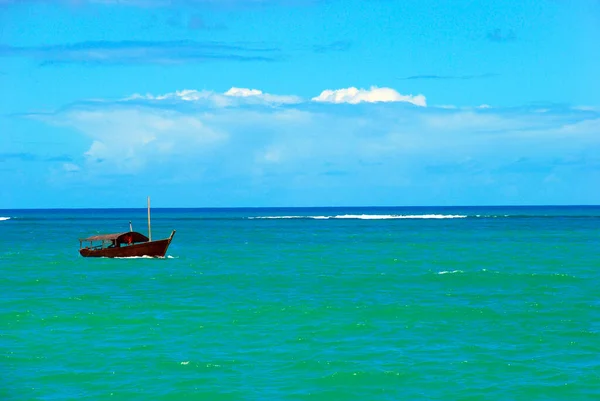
x,y
170,3
498,36
62,158
337,46
22,156
450,77
32,157
196,22
139,52
231,98
71,168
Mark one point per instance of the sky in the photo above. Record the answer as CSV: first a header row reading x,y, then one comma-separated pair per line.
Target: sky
x,y
258,103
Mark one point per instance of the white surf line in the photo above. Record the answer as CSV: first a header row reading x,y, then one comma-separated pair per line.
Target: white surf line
x,y
369,216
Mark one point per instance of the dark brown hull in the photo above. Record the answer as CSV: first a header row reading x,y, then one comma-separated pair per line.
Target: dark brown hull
x,y
152,249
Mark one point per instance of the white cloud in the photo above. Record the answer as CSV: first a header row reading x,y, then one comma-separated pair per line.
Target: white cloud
x,y
185,95
243,92
233,97
265,97
189,95
353,95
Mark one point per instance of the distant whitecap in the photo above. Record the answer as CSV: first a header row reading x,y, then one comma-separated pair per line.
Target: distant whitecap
x,y
369,216
401,216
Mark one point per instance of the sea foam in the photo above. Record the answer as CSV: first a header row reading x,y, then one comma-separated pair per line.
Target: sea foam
x,y
4,218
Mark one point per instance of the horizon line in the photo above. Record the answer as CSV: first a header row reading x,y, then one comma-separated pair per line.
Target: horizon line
x,y
303,207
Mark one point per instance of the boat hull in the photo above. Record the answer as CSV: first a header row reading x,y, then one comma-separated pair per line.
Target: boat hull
x,y
157,249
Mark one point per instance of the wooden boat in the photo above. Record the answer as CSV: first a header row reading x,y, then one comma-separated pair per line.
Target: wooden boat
x,y
125,244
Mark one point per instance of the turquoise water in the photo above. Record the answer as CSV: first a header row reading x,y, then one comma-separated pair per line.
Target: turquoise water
x,y
270,304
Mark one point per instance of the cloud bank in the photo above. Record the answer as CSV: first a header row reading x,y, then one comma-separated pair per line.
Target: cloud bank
x,y
345,146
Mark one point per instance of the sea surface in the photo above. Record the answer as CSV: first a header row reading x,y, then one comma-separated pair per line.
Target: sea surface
x,y
436,303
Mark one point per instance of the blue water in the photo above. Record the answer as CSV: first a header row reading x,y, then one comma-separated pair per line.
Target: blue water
x,y
432,303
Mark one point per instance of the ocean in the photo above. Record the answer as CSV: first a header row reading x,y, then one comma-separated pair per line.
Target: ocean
x,y
432,303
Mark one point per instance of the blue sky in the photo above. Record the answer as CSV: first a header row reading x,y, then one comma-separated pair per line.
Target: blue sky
x,y
230,103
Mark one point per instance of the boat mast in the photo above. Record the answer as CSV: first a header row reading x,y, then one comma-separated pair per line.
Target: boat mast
x,y
149,230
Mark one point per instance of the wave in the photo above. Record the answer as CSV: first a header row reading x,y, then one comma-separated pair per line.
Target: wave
x,y
369,216
543,275
4,218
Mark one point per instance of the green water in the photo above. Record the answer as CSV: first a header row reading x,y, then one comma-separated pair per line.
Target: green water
x,y
492,304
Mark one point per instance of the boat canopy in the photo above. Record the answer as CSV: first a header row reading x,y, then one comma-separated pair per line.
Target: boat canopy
x,y
120,237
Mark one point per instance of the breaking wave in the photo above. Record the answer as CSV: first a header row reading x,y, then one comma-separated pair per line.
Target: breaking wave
x,y
4,218
369,216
